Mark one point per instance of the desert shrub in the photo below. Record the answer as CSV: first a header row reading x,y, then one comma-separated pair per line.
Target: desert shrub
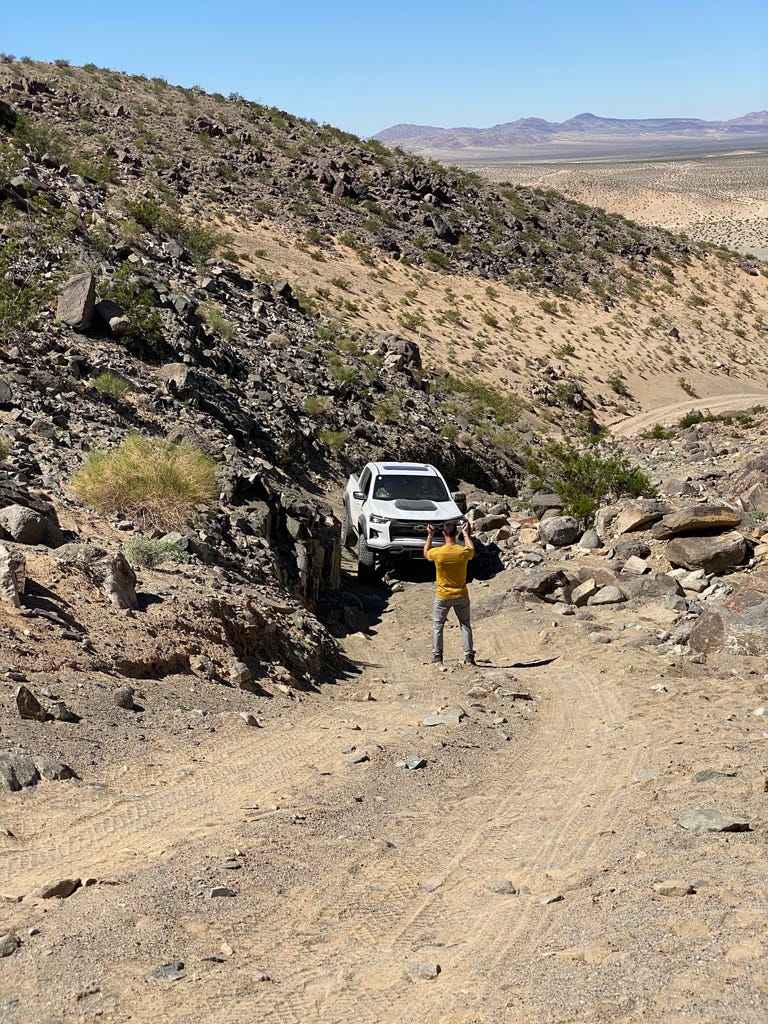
x,y
109,383
139,301
481,401
20,300
617,384
5,448
437,259
147,553
341,371
659,433
153,481
212,315
318,405
583,475
333,438
200,240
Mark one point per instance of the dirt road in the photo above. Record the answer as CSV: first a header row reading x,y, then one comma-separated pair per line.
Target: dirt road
x,y
668,415
353,880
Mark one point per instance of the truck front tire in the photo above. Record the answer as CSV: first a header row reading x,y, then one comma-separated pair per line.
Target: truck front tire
x,y
365,559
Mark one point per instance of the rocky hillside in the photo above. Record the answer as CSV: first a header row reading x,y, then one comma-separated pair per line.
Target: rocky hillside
x,y
194,268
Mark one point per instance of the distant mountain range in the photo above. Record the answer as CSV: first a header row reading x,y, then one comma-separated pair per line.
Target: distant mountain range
x,y
587,131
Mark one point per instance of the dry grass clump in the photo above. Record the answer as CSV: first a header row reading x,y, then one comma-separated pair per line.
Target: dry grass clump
x,y
155,482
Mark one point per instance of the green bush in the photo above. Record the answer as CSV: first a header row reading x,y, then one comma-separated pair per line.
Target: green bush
x,y
147,553
584,475
333,438
19,302
659,433
149,479
138,299
109,383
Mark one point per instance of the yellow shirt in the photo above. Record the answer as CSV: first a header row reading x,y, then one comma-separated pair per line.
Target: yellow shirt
x,y
451,568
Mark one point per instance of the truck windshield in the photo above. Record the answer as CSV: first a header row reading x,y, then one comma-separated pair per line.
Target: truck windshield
x,y
423,488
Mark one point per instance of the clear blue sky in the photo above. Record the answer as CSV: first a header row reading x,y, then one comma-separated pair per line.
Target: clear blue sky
x,y
364,66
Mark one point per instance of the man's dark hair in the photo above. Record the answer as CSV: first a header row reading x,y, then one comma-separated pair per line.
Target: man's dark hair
x,y
449,528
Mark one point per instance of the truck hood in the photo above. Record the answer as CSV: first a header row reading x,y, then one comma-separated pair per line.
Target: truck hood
x,y
418,510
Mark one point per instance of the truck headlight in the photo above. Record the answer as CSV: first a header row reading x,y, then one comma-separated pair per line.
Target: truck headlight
x,y
378,519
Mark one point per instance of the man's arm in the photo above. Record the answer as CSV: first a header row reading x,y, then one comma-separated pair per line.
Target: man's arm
x,y
468,542
428,541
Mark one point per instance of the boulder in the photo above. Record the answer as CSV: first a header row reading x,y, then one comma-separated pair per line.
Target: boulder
x,y
77,302
541,582
31,526
632,548
651,587
558,530
581,594
636,515
713,554
8,116
739,625
541,503
114,316
607,595
697,519
29,706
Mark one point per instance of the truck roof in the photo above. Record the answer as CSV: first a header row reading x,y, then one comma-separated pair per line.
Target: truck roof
x,y
404,467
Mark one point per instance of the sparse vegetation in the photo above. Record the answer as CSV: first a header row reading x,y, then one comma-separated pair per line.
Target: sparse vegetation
x,y
147,553
154,482
109,383
584,475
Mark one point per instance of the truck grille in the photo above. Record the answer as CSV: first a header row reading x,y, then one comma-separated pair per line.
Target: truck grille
x,y
409,530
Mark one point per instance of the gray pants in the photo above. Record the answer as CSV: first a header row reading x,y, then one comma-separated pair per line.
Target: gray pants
x,y
440,611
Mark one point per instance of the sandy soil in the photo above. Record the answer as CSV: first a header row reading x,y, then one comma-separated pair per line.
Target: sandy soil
x,y
351,875
721,198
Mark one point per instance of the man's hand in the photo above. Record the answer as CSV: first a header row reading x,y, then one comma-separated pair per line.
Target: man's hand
x,y
468,542
428,541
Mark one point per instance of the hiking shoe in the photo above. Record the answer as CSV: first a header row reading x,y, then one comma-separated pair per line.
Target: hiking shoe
x,y
437,659
469,659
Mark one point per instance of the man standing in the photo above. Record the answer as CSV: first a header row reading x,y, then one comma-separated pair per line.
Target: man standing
x,y
451,586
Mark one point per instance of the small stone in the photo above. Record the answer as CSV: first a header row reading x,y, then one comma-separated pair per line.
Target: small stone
x,y
700,821
220,890
61,713
250,720
413,762
447,719
9,943
359,758
168,972
502,886
422,970
123,697
29,706
431,884
673,887
61,889
545,901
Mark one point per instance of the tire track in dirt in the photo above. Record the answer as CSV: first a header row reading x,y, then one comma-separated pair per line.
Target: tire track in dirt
x,y
104,828
388,929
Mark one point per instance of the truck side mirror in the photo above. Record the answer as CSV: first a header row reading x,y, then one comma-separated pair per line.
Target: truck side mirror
x,y
358,495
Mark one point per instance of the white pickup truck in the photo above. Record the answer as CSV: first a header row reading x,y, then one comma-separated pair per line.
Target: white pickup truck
x,y
388,507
